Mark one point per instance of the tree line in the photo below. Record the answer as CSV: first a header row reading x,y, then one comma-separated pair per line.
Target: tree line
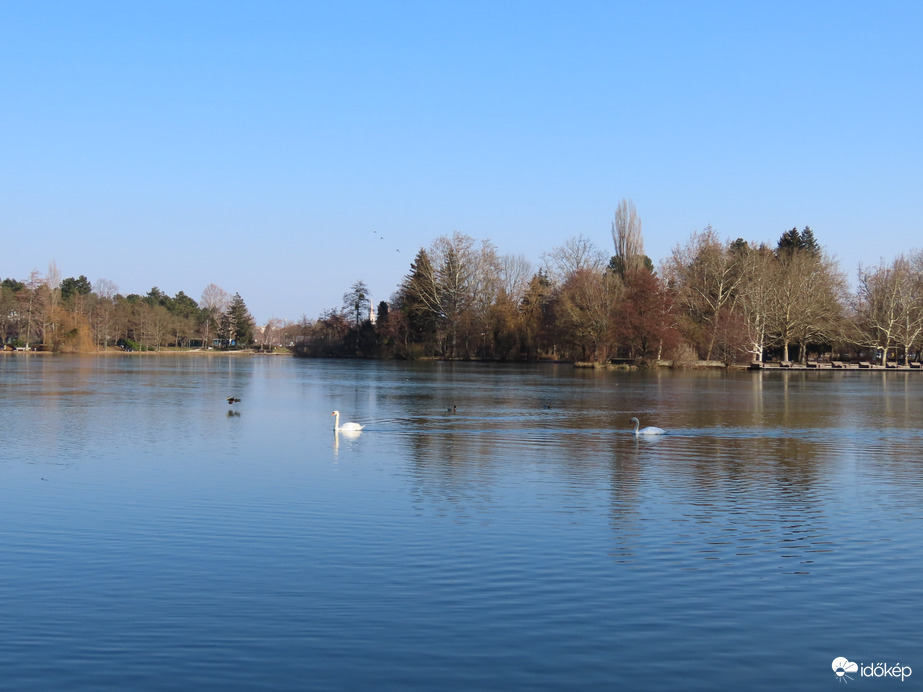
x,y
73,315
714,300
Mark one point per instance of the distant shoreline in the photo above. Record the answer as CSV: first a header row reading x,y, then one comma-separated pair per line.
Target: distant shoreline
x,y
171,352
699,365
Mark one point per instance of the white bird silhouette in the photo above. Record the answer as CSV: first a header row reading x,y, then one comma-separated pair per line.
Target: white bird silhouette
x,y
650,430
346,427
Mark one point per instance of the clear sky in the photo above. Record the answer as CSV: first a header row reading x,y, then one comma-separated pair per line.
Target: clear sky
x,y
267,147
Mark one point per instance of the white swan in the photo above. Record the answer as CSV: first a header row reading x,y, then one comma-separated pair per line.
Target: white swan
x,y
650,430
346,427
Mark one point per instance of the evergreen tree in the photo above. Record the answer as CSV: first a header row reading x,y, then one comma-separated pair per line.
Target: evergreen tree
x,y
808,242
223,329
237,324
71,286
739,246
183,306
789,242
157,297
13,285
419,300
383,312
793,241
535,309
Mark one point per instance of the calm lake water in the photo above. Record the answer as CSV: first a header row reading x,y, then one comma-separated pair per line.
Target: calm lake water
x,y
155,538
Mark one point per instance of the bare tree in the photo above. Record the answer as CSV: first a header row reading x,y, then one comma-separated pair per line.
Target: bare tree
x,y
33,306
705,274
486,287
157,324
298,335
214,303
452,259
626,234
449,291
515,273
577,254
890,306
806,303
642,324
102,310
51,297
271,335
584,309
53,277
759,272
911,328
357,303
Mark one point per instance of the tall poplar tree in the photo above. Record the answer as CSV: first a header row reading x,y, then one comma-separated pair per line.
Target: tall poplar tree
x,y
629,243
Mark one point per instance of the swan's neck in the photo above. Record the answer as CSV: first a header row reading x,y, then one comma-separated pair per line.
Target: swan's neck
x,y
637,425
336,421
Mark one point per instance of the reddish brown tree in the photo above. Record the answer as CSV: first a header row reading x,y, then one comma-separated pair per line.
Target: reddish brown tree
x,y
643,323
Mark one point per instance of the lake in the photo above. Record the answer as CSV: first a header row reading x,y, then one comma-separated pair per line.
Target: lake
x,y
155,537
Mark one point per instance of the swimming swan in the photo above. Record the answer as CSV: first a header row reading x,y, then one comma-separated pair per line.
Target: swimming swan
x,y
651,430
346,427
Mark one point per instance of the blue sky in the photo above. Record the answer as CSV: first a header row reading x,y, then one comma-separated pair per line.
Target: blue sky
x,y
268,146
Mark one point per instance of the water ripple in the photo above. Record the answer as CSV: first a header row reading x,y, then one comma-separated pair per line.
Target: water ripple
x,y
152,542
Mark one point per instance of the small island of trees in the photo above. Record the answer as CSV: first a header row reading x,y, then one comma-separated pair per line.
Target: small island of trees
x,y
711,300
